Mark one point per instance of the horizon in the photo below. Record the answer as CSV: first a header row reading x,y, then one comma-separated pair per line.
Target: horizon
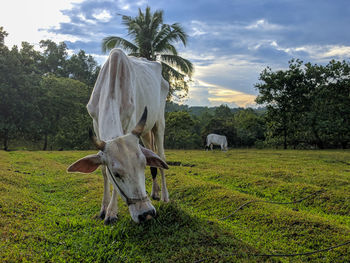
x,y
258,107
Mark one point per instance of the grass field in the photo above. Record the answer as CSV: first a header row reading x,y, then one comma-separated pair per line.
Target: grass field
x,y
47,215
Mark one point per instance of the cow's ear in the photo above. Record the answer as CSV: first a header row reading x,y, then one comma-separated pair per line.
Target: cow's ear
x,y
153,159
88,164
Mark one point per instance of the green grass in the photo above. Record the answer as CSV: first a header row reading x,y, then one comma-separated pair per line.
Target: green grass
x,y
47,215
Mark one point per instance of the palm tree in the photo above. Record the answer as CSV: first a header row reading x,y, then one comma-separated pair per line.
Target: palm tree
x,y
153,40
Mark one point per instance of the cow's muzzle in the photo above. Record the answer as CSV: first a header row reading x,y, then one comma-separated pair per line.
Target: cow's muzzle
x,y
147,215
142,211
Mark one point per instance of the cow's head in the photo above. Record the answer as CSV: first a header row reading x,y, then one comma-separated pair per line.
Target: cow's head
x,y
125,160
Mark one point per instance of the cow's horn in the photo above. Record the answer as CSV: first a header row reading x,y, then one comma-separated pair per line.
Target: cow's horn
x,y
137,131
100,145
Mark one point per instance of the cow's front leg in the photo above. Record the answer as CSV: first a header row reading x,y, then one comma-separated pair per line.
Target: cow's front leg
x,y
106,194
112,209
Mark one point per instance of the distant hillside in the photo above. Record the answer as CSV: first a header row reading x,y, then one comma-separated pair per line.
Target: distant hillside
x,y
199,110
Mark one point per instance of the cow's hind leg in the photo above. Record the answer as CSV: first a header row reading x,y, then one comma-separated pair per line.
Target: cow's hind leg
x,y
158,131
155,186
106,194
165,193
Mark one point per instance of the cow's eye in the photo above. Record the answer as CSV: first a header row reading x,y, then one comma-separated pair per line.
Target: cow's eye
x,y
117,175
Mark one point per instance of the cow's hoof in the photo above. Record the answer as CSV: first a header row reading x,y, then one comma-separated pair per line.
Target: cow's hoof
x,y
99,216
165,196
102,215
165,200
110,220
155,197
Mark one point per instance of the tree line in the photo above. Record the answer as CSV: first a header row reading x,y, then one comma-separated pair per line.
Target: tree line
x,y
187,127
44,95
308,105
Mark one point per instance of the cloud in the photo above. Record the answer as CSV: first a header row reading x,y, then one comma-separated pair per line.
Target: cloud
x,y
262,24
197,29
198,95
317,53
24,19
207,94
83,18
234,72
102,15
229,43
338,51
220,96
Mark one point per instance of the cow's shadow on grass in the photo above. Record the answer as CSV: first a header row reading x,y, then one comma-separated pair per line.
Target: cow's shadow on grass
x,y
176,236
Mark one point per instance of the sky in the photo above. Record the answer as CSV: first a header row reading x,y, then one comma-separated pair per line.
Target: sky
x,y
230,41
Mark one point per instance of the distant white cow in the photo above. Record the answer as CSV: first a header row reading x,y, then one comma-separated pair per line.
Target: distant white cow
x,y
215,139
127,89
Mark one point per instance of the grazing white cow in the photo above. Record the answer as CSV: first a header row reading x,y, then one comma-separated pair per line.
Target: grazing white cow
x,y
128,89
215,139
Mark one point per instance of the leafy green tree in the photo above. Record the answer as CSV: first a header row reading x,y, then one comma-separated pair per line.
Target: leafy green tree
x,y
31,74
55,57
330,103
172,106
307,104
36,104
249,126
3,34
64,118
282,92
83,67
19,79
180,131
223,112
204,118
154,40
9,94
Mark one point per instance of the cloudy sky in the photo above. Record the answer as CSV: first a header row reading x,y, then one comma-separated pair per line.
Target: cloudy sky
x,y
230,41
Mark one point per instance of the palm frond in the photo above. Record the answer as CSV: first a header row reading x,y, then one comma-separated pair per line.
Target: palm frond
x,y
148,16
170,72
135,54
170,34
161,34
111,42
176,81
156,22
180,32
166,49
132,25
183,64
